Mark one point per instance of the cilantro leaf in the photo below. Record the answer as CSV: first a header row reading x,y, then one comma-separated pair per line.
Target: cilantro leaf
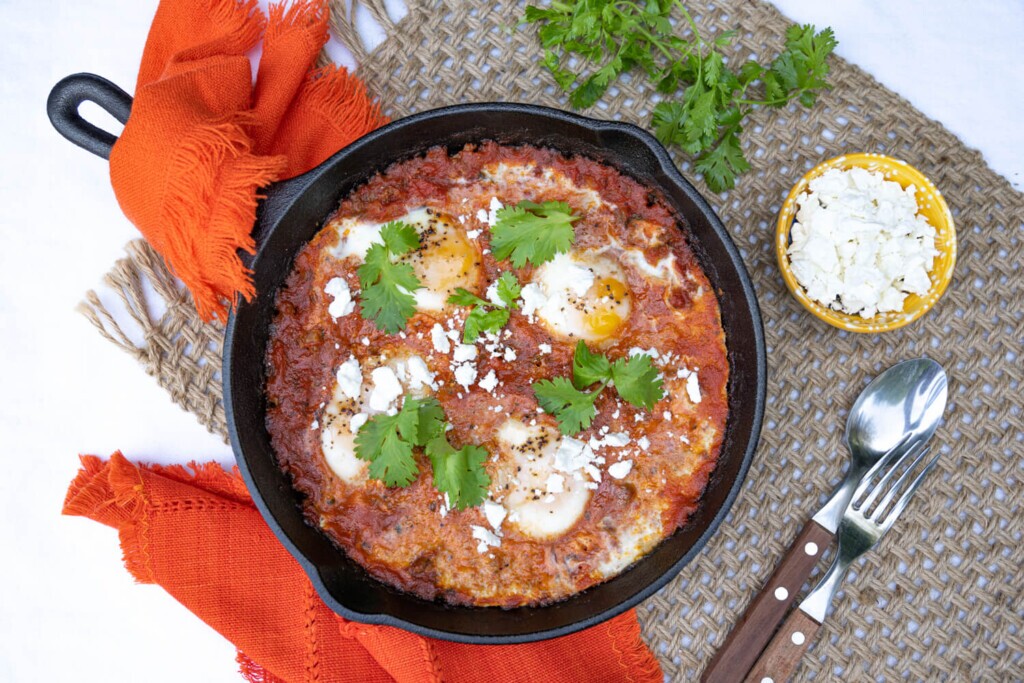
x,y
574,409
386,442
589,368
459,473
481,320
532,232
637,381
487,316
509,289
387,287
722,164
464,297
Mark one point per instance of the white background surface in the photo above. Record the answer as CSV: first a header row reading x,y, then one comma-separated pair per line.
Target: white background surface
x,y
69,610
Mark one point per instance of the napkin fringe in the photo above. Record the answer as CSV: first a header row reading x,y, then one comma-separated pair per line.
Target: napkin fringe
x,y
242,22
309,16
215,180
633,654
341,99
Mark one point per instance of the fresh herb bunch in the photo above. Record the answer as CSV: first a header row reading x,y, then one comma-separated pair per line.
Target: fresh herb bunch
x,y
618,36
532,232
635,379
387,286
487,316
387,443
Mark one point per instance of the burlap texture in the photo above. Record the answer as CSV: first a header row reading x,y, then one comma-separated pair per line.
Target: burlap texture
x,y
941,598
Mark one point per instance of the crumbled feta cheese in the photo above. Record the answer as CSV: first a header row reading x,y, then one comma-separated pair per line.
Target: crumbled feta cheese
x,y
510,354
544,348
386,388
342,303
315,425
366,341
439,339
357,421
555,483
465,374
471,234
563,273
637,351
693,388
464,353
858,243
533,298
495,514
644,443
485,536
350,378
419,374
489,382
492,294
620,469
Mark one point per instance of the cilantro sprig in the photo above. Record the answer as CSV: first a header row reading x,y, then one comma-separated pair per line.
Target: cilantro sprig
x,y
486,315
387,286
705,118
531,232
635,379
387,442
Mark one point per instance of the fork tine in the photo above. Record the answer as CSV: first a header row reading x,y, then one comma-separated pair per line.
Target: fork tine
x,y
883,464
878,486
898,486
905,498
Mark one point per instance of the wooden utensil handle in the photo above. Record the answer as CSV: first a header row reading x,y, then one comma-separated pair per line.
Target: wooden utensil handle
x,y
767,610
780,659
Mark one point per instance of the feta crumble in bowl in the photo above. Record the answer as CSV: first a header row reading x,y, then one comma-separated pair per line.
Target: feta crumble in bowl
x,y
866,243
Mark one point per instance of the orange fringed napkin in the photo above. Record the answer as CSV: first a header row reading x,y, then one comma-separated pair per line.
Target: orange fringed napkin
x,y
202,140
195,532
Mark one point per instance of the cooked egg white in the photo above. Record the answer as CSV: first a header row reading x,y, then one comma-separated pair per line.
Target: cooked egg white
x,y
360,391
445,261
579,295
542,502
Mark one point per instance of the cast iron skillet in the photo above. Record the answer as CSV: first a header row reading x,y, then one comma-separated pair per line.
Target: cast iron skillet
x,y
294,211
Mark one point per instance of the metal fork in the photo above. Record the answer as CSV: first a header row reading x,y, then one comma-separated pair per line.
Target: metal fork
x,y
862,525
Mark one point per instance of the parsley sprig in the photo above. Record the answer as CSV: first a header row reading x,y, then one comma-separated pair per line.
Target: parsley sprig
x,y
635,379
387,443
532,232
618,36
487,316
387,286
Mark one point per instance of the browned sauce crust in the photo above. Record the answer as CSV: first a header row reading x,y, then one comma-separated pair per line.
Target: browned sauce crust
x,y
398,534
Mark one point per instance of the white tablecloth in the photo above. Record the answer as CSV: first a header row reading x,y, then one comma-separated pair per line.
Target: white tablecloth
x,y
69,610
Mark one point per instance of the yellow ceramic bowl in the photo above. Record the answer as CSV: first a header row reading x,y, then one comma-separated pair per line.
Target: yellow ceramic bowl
x,y
931,205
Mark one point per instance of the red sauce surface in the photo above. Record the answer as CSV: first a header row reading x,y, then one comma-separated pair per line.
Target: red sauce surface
x,y
398,534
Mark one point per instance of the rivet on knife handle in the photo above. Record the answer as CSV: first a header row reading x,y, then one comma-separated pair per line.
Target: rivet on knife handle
x,y
782,656
755,628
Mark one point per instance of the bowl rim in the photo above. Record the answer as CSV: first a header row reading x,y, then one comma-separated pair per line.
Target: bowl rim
x,y
290,192
838,319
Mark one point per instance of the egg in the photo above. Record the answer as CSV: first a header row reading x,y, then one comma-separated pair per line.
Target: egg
x,y
579,295
542,501
363,390
446,260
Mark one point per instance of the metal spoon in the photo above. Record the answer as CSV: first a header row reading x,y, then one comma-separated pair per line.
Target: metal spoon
x,y
908,399
898,410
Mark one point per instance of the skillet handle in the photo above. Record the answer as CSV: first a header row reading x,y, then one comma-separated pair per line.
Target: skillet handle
x,y
62,108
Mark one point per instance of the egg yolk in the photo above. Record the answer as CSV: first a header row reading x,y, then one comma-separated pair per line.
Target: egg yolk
x,y
604,319
446,260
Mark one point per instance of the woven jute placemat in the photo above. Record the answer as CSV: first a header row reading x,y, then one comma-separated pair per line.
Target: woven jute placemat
x,y
941,598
